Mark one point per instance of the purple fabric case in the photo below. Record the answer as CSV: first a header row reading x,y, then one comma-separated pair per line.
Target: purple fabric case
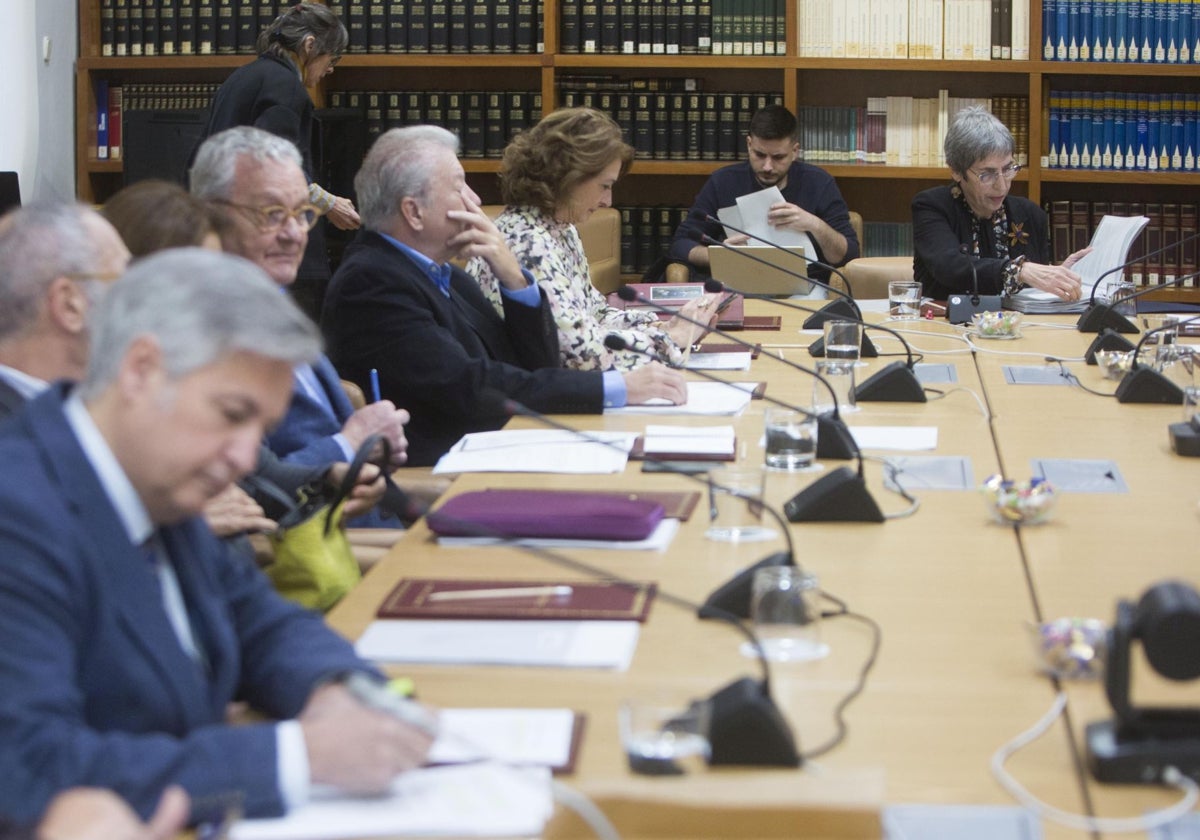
x,y
545,513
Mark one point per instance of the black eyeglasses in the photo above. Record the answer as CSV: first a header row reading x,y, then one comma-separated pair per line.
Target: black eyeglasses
x,y
274,216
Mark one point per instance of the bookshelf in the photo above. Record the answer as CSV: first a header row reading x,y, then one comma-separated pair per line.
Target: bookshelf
x,y
879,192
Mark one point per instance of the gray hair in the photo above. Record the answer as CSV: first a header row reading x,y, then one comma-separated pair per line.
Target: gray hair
x,y
974,135
199,305
39,243
398,166
213,172
288,31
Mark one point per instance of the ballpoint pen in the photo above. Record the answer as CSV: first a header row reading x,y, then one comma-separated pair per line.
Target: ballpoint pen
x,y
375,397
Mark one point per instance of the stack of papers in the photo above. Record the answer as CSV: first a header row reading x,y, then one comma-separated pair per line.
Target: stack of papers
x,y
539,450
679,442
1110,248
710,398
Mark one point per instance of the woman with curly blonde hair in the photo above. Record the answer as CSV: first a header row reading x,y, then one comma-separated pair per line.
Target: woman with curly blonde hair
x,y
553,177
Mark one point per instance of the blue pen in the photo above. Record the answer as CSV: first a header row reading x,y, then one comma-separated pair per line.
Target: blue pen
x,y
375,385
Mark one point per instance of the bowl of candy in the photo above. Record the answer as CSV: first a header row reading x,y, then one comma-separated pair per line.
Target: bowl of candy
x,y
1002,324
1018,502
1070,648
1114,363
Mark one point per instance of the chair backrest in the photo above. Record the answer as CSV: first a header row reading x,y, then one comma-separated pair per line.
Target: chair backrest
x,y
857,223
601,237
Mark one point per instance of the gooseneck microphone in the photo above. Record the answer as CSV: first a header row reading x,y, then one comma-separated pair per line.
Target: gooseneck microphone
x,y
1101,315
961,308
1146,385
896,382
818,316
832,310
839,496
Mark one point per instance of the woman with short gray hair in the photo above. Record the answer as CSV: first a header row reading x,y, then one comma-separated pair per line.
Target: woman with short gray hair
x,y
972,233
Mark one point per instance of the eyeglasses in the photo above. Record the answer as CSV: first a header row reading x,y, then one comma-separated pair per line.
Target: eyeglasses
x,y
988,176
94,276
274,216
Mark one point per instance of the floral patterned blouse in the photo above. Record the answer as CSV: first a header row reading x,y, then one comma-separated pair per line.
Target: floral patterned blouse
x,y
553,253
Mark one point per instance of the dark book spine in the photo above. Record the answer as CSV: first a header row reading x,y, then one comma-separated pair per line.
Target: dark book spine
x,y
268,10
420,26
624,116
503,29
373,116
525,19
628,248
674,25
168,27
1170,235
226,28
704,26
393,111
629,27
661,116
518,112
356,16
644,236
664,232
205,28
658,26
414,108
479,26
247,28
495,132
137,31
610,27
397,28
108,22
458,27
569,28
727,122
455,115
677,116
589,26
643,126
473,143
693,123
377,28
710,141
645,28
150,28
689,28
121,28
185,21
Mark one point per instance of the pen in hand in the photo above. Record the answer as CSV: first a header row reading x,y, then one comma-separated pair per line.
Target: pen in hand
x,y
375,396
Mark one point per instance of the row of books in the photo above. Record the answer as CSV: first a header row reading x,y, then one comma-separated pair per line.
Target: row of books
x,y
1116,130
1073,222
673,27
678,126
182,27
483,120
113,102
1143,31
968,30
443,26
900,130
886,239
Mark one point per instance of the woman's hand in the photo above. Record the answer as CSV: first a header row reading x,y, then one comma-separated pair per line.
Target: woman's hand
x,y
703,310
1058,280
342,215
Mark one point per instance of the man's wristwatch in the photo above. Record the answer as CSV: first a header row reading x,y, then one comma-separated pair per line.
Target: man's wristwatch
x,y
1012,274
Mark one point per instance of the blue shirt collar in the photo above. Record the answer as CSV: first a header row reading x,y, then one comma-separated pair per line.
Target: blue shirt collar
x,y
439,274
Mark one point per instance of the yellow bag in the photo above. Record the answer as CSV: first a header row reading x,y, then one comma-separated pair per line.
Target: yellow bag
x,y
313,565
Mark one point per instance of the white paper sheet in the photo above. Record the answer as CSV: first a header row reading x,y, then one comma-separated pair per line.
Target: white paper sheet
x,y
909,438
750,214
550,644
471,800
539,737
693,440
719,361
539,450
710,398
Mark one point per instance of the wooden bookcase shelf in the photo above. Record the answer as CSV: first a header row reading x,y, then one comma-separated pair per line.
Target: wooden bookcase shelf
x,y
880,193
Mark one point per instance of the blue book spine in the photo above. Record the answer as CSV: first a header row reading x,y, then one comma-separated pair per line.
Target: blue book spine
x,y
1082,33
1141,147
1118,110
1121,29
1153,124
1087,139
1177,109
1075,133
1073,28
1185,31
1131,130
1165,101
1146,32
1173,32
1049,19
1054,128
1099,34
1062,29
101,88
1161,35
1108,129
1194,38
1191,131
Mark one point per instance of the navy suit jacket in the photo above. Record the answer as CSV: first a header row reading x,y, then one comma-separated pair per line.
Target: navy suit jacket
x,y
10,399
438,356
95,688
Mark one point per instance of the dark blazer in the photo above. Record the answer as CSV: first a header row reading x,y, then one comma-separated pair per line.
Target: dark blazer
x,y
437,356
268,93
94,686
942,235
10,399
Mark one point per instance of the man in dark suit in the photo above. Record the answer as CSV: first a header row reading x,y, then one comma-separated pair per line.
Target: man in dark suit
x,y
128,628
255,181
396,305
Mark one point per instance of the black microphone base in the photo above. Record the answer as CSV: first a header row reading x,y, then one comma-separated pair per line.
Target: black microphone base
x,y
834,441
1108,339
866,351
745,727
895,383
733,596
835,310
1144,385
962,308
1117,758
840,496
1100,316
1185,439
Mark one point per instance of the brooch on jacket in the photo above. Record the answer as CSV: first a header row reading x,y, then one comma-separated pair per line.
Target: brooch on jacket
x,y
1017,235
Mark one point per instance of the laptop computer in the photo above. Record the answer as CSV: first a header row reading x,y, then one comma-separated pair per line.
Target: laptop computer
x,y
762,269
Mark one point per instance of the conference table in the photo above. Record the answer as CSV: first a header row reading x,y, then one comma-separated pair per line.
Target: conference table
x,y
953,593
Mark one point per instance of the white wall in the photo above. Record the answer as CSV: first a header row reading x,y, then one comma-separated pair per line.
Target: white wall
x,y
37,136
